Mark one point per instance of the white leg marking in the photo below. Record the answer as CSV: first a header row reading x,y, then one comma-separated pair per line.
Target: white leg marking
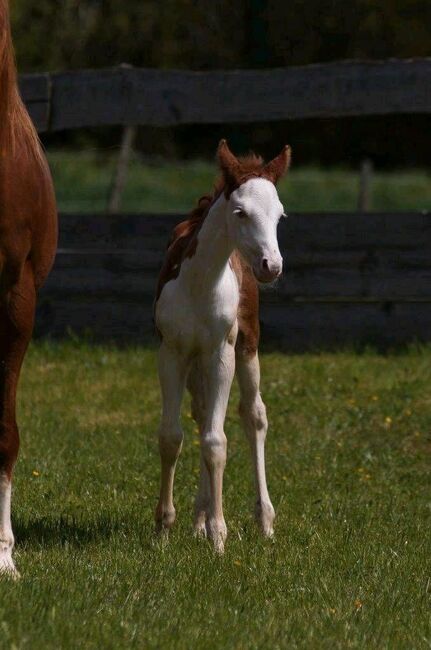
x,y
7,566
172,370
253,414
219,371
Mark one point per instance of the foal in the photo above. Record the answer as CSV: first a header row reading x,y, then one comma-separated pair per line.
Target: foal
x,y
28,238
206,313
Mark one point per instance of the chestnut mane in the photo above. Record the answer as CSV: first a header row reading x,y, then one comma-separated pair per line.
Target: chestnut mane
x,y
17,133
183,240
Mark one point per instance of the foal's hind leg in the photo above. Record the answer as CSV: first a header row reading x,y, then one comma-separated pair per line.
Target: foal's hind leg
x,y
17,307
253,415
172,372
197,389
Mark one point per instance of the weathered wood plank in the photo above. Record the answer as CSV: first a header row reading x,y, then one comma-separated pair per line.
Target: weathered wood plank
x,y
35,91
306,326
168,97
104,319
294,326
134,274
111,232
315,233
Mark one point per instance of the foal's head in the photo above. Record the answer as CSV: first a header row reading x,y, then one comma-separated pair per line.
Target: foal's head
x,y
254,208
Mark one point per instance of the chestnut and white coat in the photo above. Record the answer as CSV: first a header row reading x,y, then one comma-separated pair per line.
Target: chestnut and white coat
x,y
206,313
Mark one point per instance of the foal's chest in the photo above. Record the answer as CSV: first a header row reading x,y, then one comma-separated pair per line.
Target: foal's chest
x,y
194,315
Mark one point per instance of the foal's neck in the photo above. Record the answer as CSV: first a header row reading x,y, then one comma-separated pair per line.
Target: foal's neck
x,y
214,248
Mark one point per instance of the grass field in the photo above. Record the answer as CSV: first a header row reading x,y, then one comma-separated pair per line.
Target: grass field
x,y
349,459
82,181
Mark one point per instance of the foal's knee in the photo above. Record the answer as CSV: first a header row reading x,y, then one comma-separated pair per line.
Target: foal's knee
x,y
170,440
214,446
253,414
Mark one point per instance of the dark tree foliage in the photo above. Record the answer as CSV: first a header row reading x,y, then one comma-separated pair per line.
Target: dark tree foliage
x,y
210,34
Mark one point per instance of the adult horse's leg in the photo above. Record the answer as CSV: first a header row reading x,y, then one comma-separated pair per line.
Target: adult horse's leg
x,y
17,306
198,390
219,370
253,415
172,374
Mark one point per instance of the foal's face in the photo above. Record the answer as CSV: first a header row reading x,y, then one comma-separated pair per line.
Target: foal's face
x,y
254,212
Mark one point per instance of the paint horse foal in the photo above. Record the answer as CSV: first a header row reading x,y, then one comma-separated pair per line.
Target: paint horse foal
x,y
28,239
207,315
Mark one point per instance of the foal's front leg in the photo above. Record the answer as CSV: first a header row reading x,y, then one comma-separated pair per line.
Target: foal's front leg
x,y
253,415
219,369
172,372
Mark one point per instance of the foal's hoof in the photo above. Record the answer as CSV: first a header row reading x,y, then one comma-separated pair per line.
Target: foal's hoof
x,y
217,533
164,519
265,515
200,529
7,567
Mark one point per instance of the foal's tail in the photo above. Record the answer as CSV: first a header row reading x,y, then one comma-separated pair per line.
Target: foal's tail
x,y
15,123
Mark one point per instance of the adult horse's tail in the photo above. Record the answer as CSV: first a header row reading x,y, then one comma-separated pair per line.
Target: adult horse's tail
x,y
16,127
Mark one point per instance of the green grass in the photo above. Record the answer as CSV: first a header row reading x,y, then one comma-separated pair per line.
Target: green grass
x,y
349,459
82,181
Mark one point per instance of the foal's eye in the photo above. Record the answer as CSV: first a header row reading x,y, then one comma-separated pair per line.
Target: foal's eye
x,y
240,213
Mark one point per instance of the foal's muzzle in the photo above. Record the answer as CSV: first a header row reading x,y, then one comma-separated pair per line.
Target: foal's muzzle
x,y
268,270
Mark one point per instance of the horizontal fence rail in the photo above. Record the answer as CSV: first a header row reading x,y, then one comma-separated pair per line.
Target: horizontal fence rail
x,y
127,95
348,278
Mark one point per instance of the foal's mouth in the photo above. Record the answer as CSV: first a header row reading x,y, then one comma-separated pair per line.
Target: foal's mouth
x,y
266,276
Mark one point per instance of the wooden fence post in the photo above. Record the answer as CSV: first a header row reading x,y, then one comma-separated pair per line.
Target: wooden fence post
x,y
120,174
365,189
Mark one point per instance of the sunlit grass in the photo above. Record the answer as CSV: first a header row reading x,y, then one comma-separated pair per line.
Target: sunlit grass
x,y
349,459
83,179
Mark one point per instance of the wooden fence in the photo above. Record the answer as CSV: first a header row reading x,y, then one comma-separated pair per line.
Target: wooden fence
x,y
349,279
126,95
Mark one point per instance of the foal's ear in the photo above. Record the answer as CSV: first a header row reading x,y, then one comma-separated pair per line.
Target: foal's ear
x,y
277,167
229,164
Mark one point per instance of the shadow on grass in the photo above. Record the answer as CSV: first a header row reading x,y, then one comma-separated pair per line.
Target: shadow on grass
x,y
71,531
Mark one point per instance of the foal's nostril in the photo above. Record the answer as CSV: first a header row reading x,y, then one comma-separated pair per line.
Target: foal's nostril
x,y
265,265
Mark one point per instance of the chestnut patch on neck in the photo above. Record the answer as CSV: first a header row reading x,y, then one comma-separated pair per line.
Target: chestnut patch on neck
x,y
235,172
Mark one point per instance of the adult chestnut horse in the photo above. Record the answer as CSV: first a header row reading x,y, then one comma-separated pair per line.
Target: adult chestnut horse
x,y
28,239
